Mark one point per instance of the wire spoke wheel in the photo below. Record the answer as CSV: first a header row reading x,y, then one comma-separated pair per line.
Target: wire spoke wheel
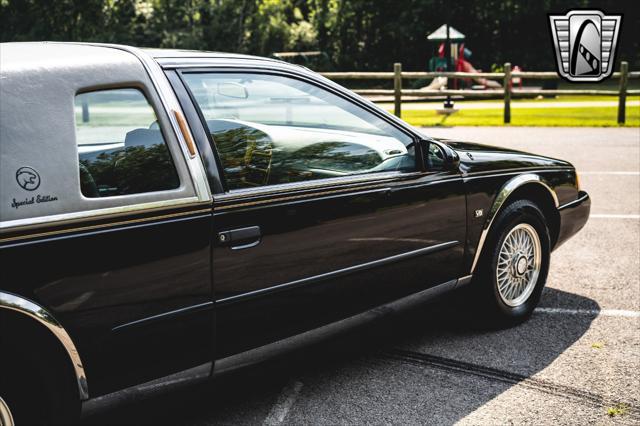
x,y
519,263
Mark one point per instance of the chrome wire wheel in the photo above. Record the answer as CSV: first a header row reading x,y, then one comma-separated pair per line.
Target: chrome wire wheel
x,y
5,414
519,263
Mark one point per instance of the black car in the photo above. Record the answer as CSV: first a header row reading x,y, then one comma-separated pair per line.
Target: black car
x,y
162,210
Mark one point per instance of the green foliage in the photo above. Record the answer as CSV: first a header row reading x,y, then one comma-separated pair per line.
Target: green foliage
x,y
355,34
618,410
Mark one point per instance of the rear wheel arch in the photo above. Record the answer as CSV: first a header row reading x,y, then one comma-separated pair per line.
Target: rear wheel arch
x,y
40,379
28,328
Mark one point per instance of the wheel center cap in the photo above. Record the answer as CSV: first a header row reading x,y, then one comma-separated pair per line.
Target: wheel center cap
x,y
521,265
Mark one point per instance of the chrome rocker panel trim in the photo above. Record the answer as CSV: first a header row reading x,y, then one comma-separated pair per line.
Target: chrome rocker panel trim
x,y
504,193
40,314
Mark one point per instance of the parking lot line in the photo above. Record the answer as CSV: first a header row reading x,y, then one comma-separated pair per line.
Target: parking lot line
x,y
614,216
283,404
610,173
591,312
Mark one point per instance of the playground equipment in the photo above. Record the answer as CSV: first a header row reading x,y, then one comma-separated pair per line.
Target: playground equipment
x,y
437,83
453,56
445,35
463,65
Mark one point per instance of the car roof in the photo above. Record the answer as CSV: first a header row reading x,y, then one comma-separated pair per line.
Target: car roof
x,y
172,58
40,55
39,52
184,53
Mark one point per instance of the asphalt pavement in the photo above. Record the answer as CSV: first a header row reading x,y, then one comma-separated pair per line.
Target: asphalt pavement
x,y
576,361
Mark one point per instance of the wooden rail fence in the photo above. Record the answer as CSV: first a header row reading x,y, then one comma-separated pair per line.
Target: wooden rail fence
x,y
506,77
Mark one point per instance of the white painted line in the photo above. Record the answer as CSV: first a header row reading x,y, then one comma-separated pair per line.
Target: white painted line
x,y
614,216
610,173
591,312
283,404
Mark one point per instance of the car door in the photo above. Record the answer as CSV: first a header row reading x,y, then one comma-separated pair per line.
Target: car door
x,y
327,210
127,273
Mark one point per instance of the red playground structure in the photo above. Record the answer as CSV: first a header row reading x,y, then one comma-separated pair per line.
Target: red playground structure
x,y
451,54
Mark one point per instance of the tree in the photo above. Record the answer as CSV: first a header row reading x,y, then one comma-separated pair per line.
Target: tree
x,y
356,34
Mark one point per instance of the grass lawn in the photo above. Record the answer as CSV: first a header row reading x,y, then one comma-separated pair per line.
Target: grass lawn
x,y
567,98
558,99
568,117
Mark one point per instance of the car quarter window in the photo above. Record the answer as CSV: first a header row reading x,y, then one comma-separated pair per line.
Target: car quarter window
x,y
121,148
61,125
271,129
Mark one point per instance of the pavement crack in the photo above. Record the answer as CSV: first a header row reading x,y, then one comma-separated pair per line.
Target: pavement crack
x,y
541,385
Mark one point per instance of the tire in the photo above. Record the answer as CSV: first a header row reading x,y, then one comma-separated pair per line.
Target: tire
x,y
21,391
35,394
514,265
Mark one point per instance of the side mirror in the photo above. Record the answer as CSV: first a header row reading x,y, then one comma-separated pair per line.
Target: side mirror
x,y
439,156
453,159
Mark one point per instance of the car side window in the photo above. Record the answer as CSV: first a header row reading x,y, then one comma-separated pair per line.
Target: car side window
x,y
271,129
121,148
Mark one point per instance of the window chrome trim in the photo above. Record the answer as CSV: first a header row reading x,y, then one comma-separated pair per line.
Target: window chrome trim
x,y
26,307
294,198
170,104
504,193
312,184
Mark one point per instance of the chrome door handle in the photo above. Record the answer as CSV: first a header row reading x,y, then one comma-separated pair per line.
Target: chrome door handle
x,y
240,238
